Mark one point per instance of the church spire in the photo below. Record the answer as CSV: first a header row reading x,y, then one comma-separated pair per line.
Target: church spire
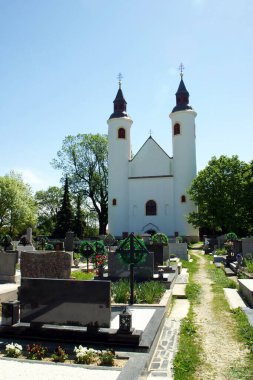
x,y
119,109
182,95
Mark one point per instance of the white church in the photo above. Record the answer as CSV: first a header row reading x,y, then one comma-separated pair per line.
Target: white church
x,y
147,192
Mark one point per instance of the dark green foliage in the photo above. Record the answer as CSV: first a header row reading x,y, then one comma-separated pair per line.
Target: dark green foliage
x,y
231,236
220,191
146,292
83,158
64,217
160,238
79,220
139,252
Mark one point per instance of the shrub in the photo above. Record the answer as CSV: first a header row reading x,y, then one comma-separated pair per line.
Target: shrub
x,y
84,355
59,355
121,291
150,292
107,357
231,236
249,265
36,351
13,350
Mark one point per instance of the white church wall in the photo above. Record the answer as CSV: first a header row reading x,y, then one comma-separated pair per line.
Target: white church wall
x,y
151,160
161,191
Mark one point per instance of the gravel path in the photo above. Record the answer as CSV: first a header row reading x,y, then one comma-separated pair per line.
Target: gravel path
x,y
221,350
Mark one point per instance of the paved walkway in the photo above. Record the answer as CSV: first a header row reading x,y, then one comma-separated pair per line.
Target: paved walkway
x,y
161,366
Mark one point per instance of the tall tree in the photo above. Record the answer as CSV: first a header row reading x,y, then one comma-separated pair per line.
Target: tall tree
x,y
83,158
219,192
64,217
17,206
79,221
48,203
248,177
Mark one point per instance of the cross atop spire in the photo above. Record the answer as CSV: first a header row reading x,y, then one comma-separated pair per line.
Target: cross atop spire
x,y
120,76
181,69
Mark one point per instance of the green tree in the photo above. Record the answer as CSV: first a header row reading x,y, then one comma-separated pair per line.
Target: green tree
x,y
64,217
219,192
79,221
83,158
248,177
17,205
48,203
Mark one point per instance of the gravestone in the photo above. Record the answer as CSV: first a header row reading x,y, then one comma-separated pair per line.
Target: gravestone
x,y
179,250
8,261
246,290
142,271
69,241
157,249
45,264
247,247
29,235
65,302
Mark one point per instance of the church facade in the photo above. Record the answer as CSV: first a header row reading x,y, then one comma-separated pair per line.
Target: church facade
x,y
147,193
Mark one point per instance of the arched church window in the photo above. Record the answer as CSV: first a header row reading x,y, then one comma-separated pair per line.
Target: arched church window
x,y
176,129
114,202
183,198
121,133
151,207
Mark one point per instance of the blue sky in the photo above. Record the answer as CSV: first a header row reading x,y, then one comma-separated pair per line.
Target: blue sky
x,y
59,61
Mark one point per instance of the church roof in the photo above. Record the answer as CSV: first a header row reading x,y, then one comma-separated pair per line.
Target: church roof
x,y
182,98
119,109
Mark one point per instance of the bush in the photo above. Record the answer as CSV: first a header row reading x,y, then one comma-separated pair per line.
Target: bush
x,y
160,238
36,351
85,355
59,355
150,292
13,350
231,236
107,357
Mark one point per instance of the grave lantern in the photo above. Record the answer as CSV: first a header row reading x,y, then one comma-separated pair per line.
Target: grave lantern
x,y
125,321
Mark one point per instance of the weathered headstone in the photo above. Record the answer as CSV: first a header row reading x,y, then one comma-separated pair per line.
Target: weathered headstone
x,y
8,261
29,235
179,250
69,241
247,247
45,264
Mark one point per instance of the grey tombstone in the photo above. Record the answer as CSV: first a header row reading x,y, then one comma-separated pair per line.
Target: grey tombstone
x,y
8,261
179,250
69,241
142,271
29,235
247,247
45,264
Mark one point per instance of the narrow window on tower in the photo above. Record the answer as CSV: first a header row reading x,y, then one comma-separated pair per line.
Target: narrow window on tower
x,y
151,208
183,198
114,202
121,133
176,129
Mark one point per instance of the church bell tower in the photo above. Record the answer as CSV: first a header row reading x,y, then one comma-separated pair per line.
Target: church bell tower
x,y
119,154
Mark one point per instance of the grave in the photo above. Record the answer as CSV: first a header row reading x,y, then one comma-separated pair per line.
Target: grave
x,y
179,250
118,270
45,264
247,247
8,261
246,290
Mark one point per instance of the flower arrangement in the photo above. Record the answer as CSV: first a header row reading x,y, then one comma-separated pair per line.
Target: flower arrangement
x,y
160,238
13,350
36,351
59,355
99,259
84,355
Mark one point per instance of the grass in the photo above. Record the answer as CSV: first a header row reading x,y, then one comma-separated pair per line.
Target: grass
x,y
80,275
249,265
187,358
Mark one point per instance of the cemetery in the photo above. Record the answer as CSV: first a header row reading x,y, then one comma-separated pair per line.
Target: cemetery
x,y
50,306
